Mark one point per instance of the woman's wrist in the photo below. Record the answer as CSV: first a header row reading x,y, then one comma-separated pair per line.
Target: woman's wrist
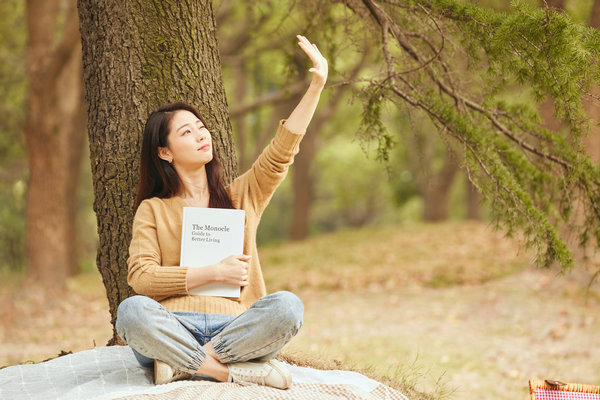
x,y
202,276
215,272
316,86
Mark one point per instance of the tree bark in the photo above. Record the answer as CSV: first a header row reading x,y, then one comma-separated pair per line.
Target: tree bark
x,y
54,136
437,192
138,55
433,183
473,201
302,184
595,17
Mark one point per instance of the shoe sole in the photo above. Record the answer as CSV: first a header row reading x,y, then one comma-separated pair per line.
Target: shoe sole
x,y
156,374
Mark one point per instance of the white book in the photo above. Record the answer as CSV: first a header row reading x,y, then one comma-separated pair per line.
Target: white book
x,y
209,235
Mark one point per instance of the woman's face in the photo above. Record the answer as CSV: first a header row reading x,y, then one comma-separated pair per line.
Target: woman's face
x,y
189,144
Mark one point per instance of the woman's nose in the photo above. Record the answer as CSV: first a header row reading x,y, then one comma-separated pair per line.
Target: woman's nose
x,y
200,136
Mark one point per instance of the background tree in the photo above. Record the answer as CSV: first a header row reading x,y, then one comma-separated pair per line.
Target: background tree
x,y
54,137
433,167
137,56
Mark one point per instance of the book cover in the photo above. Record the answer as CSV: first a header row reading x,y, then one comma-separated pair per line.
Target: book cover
x,y
208,235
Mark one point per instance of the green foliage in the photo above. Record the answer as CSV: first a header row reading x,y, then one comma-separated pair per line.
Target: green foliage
x,y
372,126
12,80
352,188
12,149
579,10
12,225
479,76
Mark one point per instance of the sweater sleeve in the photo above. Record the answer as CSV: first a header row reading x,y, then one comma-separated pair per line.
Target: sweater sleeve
x,y
146,275
258,184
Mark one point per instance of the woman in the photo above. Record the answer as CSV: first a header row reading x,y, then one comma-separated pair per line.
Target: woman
x,y
228,340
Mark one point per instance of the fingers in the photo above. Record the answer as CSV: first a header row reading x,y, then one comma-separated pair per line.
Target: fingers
x,y
235,258
244,277
319,69
308,52
234,270
309,48
318,51
304,41
243,257
245,280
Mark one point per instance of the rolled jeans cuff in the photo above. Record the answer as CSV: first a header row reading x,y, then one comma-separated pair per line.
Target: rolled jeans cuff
x,y
221,350
196,362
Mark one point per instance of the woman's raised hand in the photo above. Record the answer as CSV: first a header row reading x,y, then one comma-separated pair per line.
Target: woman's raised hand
x,y
233,270
319,69
299,119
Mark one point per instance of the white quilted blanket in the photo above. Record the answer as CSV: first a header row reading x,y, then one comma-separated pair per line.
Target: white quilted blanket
x,y
113,373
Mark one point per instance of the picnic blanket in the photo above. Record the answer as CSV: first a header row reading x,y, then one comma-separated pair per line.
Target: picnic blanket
x,y
555,390
112,372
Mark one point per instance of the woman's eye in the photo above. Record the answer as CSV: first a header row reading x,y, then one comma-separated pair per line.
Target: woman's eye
x,y
187,132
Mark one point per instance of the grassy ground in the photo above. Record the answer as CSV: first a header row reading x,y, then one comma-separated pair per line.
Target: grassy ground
x,y
454,303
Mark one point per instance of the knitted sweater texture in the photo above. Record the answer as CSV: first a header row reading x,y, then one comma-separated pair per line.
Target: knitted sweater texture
x,y
154,268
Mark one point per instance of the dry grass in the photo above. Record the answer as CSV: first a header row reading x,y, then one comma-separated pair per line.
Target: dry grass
x,y
403,381
431,255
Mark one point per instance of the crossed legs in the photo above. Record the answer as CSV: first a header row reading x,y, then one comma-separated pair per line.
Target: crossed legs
x,y
204,343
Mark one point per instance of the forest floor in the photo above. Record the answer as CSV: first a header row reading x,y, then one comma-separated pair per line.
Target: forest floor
x,y
454,309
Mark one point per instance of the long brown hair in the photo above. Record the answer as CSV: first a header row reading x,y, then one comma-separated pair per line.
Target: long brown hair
x,y
158,177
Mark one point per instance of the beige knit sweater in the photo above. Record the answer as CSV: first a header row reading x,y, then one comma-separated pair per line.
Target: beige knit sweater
x,y
154,251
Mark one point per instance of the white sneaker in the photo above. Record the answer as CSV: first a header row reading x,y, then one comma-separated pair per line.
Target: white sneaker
x,y
270,373
164,373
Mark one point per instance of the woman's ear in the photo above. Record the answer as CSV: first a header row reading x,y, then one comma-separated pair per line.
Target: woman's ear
x,y
165,154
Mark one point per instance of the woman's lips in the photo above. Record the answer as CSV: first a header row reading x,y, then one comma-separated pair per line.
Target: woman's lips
x,y
205,147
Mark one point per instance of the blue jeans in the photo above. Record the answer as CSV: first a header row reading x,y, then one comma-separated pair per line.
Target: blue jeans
x,y
176,338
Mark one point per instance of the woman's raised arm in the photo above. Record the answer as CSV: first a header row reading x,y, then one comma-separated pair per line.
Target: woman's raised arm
x,y
299,119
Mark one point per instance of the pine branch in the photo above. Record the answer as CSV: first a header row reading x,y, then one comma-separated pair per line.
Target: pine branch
x,y
530,170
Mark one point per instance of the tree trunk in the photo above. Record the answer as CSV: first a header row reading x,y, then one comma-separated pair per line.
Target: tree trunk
x,y
473,201
54,136
303,180
437,192
595,17
137,56
302,185
241,131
